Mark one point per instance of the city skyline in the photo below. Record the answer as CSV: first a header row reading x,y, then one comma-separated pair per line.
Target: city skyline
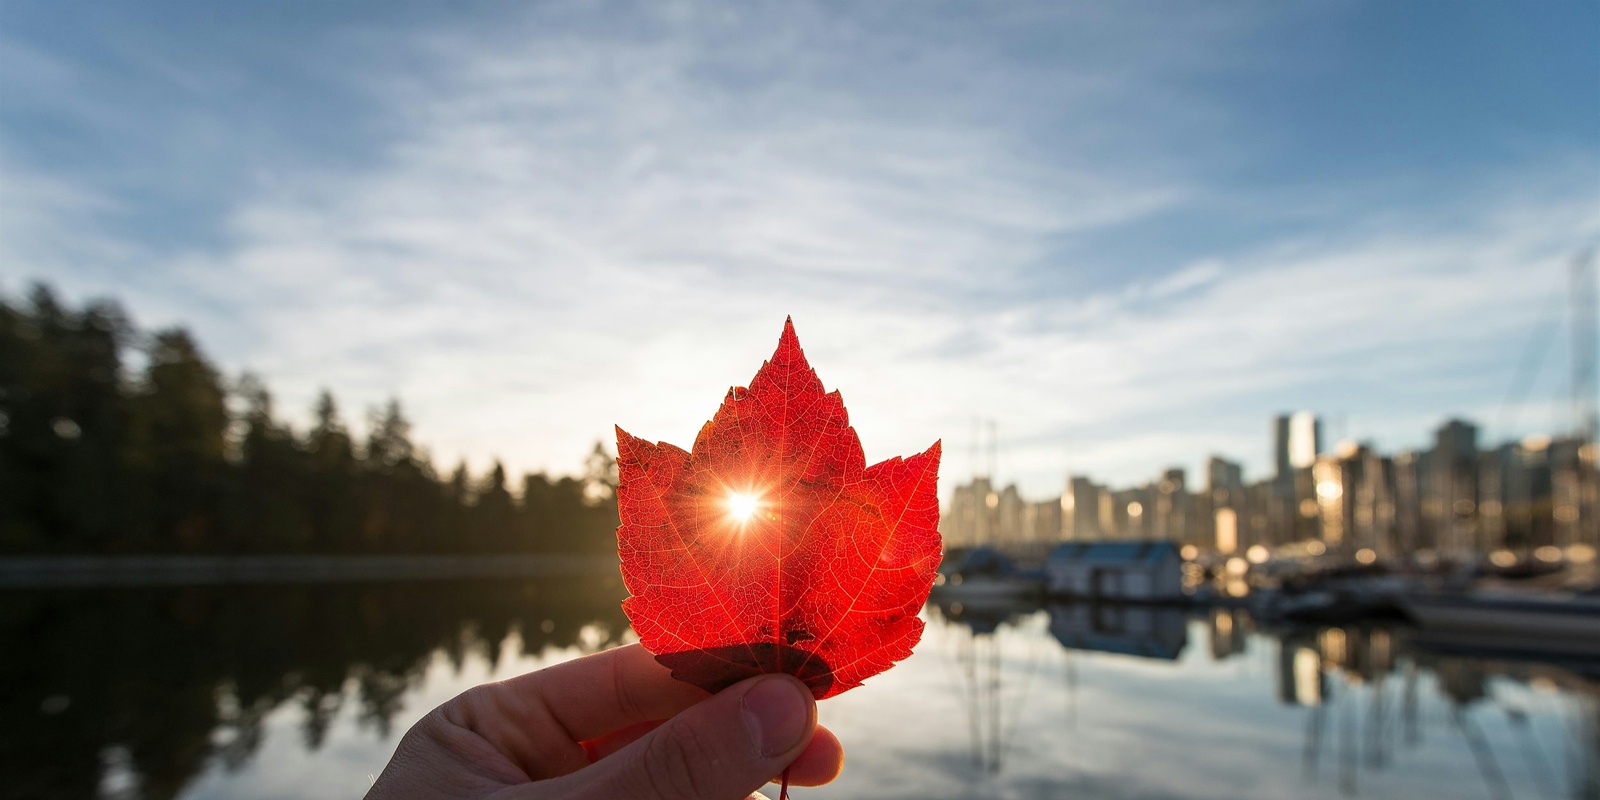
x,y
1461,496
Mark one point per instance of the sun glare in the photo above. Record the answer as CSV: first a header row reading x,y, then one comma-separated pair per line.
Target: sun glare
x,y
741,506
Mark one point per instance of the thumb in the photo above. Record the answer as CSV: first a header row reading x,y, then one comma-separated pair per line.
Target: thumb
x,y
722,748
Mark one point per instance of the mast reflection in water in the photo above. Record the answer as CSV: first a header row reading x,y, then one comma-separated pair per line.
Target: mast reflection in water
x,y
1371,696
302,691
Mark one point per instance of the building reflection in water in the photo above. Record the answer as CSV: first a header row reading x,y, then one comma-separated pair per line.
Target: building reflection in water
x,y
1360,685
135,692
1148,631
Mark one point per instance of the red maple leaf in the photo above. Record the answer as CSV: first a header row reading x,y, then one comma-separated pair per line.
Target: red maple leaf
x,y
773,547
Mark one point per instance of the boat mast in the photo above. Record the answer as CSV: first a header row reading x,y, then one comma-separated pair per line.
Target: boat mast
x,y
1585,344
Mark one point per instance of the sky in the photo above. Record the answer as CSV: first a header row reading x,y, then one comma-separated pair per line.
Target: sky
x,y
1126,233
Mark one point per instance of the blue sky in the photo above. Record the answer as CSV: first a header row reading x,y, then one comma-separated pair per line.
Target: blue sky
x,y
1128,232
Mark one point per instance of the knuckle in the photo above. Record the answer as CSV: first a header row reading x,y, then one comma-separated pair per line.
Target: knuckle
x,y
672,765
627,701
467,708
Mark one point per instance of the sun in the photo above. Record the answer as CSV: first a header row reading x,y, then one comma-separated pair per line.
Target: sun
x,y
742,506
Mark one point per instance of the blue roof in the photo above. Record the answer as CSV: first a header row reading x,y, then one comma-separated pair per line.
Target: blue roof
x,y
1133,552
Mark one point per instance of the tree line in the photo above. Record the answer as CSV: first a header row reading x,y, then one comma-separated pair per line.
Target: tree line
x,y
115,440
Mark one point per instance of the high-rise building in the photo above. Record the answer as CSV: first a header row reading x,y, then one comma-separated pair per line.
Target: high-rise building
x,y
1172,506
1256,525
1042,522
973,515
1225,482
1450,501
1538,498
1283,468
1335,496
1225,487
1412,528
1305,439
1010,512
1500,477
1080,510
1567,484
1373,512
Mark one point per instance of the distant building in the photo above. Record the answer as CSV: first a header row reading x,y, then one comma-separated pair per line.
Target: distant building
x,y
1140,571
972,517
1127,515
1305,439
1283,467
979,514
1451,501
1264,519
1538,498
1010,511
1411,530
1330,481
1042,522
1225,482
1171,515
1373,509
1080,510
1225,485
1572,493
1502,484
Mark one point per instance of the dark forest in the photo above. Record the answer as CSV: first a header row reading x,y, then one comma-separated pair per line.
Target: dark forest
x,y
115,440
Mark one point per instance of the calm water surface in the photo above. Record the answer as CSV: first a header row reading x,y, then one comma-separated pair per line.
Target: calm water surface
x,y
302,691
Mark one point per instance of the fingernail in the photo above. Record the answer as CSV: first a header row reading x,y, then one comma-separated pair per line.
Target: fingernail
x,y
776,715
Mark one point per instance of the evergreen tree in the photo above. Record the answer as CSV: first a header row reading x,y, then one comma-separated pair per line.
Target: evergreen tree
x,y
62,423
178,426
94,462
455,531
332,479
270,507
600,476
388,437
495,514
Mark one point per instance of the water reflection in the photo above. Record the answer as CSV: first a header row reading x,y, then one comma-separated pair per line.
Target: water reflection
x,y
241,691
137,690
1360,685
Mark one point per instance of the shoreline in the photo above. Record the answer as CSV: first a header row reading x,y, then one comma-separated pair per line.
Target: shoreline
x,y
92,571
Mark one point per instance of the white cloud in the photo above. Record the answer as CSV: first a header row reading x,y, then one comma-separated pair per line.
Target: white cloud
x,y
571,230
574,235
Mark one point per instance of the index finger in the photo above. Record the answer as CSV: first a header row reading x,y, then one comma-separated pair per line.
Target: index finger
x,y
596,694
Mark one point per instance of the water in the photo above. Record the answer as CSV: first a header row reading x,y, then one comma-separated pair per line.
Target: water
x,y
302,691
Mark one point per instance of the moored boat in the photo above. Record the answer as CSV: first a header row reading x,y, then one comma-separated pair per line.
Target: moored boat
x,y
1545,622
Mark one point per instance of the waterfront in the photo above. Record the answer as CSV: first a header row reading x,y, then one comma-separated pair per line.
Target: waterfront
x,y
301,690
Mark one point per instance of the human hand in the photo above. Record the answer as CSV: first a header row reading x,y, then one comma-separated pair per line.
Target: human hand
x,y
613,724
